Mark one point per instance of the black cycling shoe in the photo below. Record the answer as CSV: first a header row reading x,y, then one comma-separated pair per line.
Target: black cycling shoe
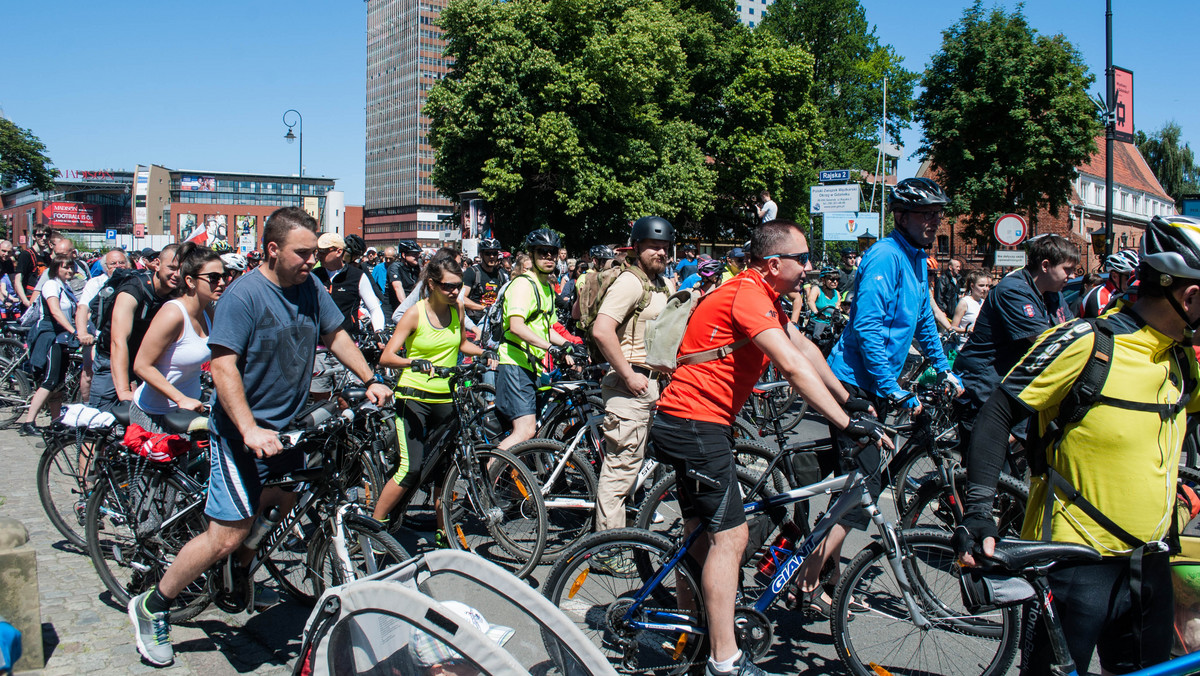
x,y
29,430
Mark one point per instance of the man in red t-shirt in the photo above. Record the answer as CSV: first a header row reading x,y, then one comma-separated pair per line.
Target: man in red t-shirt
x,y
692,429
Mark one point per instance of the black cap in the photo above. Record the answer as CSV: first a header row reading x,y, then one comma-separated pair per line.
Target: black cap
x,y
149,254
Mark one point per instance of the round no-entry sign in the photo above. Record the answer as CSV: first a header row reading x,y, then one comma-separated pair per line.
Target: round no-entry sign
x,y
1011,229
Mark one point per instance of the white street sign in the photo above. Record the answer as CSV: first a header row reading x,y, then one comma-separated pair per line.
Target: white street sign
x,y
1011,229
826,198
1010,259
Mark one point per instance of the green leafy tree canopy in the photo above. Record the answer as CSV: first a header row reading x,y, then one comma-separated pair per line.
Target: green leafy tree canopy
x,y
582,115
1006,118
23,159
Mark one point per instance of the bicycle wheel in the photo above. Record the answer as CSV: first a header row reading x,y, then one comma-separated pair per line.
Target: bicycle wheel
x,y
883,639
15,392
12,350
915,466
933,505
136,525
288,563
596,582
62,481
368,544
501,517
570,498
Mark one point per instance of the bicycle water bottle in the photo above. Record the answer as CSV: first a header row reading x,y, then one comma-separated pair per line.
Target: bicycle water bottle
x,y
788,536
265,524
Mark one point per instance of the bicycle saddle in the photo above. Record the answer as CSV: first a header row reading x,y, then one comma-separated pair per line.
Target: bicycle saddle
x,y
569,385
1021,554
763,388
181,421
120,411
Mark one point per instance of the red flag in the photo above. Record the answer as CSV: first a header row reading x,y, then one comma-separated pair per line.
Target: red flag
x,y
199,236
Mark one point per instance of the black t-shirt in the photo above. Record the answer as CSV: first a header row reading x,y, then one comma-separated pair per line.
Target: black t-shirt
x,y
344,290
27,266
1013,315
407,275
484,287
8,267
141,287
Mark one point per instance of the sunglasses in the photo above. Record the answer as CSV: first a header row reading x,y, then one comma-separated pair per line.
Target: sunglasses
x,y
214,277
545,253
40,234
801,258
449,287
322,252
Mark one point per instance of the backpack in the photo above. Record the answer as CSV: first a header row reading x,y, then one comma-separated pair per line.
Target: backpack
x,y
1083,395
492,329
102,305
664,334
597,286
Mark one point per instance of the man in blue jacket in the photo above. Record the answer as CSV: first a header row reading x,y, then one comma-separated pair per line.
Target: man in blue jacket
x,y
891,306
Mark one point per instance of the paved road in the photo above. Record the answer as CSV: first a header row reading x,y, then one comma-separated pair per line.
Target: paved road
x,y
84,632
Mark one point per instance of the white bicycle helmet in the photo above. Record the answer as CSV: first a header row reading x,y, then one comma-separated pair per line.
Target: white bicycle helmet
x,y
234,261
1122,262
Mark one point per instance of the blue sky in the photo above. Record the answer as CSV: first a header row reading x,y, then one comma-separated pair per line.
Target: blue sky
x,y
204,85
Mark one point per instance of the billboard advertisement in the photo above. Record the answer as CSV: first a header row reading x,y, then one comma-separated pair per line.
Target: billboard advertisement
x,y
1124,104
848,226
477,219
247,233
312,205
216,228
187,226
72,215
198,184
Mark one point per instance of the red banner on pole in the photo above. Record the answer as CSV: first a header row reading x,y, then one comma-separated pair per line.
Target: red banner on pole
x,y
1124,104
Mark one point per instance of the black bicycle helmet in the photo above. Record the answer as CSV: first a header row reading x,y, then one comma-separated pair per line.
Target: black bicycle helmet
x,y
489,244
355,245
828,271
652,227
602,251
1172,246
913,193
688,248
407,246
542,237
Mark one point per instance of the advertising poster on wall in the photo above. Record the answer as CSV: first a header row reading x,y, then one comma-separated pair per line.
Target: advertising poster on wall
x,y
72,215
247,233
198,183
848,226
187,226
477,219
312,205
216,228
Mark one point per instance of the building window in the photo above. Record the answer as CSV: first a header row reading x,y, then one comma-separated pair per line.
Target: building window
x,y
944,244
751,11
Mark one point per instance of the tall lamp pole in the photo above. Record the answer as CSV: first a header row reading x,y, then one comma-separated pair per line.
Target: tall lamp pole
x,y
291,138
1110,131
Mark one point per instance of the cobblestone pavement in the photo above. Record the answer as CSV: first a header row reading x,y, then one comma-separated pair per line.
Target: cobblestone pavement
x,y
85,632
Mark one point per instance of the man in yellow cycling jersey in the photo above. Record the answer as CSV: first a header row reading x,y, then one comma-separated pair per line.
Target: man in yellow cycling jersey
x,y
1106,476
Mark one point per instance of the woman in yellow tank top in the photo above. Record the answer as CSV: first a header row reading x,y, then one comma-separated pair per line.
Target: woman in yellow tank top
x,y
431,335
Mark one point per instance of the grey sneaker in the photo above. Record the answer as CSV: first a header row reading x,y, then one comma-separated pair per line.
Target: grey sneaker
x,y
743,667
614,564
152,632
264,596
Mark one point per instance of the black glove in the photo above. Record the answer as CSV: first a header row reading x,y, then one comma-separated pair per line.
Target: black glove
x,y
421,365
969,535
557,352
865,430
857,405
488,355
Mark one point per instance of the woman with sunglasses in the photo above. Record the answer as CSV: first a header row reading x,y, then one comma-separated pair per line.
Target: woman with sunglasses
x,y
431,334
175,348
49,338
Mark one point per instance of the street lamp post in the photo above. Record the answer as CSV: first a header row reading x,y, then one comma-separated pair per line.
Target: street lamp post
x,y
291,138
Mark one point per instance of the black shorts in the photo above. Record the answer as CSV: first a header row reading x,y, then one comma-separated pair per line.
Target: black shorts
x,y
1096,609
516,393
701,453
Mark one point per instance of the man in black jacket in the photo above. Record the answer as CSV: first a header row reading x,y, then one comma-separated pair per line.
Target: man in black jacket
x,y
948,288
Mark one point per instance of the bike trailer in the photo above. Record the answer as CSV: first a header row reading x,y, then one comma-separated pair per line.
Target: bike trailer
x,y
444,612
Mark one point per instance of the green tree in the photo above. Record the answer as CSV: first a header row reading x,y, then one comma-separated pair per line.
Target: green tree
x,y
1006,118
849,67
1173,162
23,159
584,114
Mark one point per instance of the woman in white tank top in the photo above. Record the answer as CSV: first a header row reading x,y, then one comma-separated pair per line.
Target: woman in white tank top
x,y
175,348
978,283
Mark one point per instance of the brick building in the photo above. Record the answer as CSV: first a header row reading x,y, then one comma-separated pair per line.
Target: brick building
x,y
1138,197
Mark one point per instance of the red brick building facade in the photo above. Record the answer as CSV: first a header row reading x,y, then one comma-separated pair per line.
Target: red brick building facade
x,y
1138,197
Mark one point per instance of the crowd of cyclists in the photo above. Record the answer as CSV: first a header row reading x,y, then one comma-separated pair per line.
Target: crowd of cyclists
x,y
1093,411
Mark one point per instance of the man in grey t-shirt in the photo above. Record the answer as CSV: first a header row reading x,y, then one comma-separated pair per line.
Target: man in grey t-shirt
x,y
263,342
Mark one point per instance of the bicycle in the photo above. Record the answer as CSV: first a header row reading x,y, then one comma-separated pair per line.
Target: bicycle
x,y
637,594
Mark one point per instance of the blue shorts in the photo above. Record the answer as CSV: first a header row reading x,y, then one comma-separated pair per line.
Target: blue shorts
x,y
516,393
236,476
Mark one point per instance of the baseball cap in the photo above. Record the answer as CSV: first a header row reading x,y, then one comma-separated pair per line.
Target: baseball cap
x,y
737,252
430,651
149,254
330,240
370,249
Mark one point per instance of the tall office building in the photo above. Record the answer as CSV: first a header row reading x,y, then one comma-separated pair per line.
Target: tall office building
x,y
750,12
404,60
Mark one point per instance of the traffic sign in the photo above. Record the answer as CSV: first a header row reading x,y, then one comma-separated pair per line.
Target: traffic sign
x,y
1011,229
110,233
834,176
1010,259
826,198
